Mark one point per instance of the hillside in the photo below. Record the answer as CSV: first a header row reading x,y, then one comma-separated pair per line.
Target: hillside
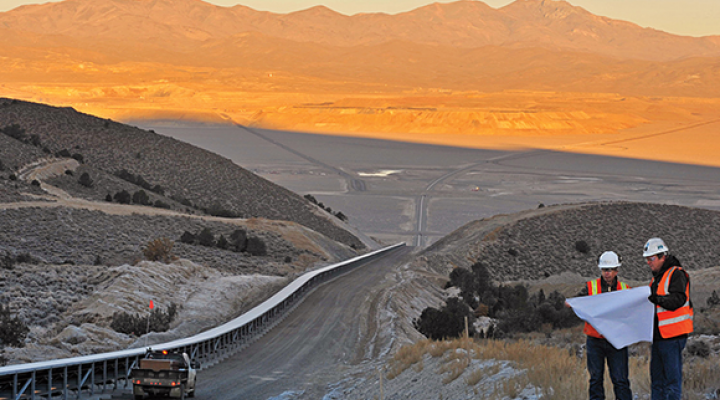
x,y
536,244
70,257
199,180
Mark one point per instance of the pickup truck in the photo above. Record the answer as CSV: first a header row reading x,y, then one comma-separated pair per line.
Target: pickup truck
x,y
164,373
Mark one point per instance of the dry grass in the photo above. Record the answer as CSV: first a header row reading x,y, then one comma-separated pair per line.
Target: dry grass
x,y
554,372
406,357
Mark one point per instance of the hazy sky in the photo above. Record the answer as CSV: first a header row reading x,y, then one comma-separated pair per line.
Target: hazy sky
x,y
683,17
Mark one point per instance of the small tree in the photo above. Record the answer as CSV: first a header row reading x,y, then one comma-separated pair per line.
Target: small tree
x,y
123,197
238,240
448,322
159,250
140,197
12,329
188,238
713,300
582,246
222,243
85,180
206,238
64,153
7,261
14,131
256,246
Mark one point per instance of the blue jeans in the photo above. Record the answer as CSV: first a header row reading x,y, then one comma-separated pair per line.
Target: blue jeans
x,y
599,351
666,369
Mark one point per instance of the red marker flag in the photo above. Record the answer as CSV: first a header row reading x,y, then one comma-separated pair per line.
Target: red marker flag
x,y
151,305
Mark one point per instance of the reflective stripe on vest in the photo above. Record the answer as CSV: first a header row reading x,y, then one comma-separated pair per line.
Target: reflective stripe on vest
x,y
680,321
594,287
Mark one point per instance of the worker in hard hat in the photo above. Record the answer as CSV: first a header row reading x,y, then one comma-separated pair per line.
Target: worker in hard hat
x,y
670,292
599,350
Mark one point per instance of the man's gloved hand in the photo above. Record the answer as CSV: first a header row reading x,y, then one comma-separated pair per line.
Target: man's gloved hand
x,y
653,298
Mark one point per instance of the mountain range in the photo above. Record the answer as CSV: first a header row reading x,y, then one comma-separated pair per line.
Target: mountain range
x,y
186,25
129,59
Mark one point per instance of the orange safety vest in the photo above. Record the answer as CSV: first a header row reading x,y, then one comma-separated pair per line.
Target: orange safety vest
x,y
678,322
593,289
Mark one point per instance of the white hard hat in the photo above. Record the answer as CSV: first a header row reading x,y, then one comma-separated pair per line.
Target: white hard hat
x,y
609,259
654,246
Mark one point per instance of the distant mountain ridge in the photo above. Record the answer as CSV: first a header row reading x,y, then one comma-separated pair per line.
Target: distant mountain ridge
x,y
185,25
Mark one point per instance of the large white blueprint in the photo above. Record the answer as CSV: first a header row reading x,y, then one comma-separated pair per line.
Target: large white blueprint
x,y
624,317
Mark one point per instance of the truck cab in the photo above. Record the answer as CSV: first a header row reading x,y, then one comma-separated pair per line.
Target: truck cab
x,y
164,372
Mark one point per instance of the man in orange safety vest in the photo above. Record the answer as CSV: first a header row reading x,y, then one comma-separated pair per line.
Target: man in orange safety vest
x,y
670,292
599,350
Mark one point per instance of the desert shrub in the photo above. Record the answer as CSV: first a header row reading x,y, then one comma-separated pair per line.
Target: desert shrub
x,y
123,197
98,260
238,240
188,237
14,131
287,259
12,329
511,305
134,324
582,246
12,177
69,172
141,197
310,198
159,250
182,201
447,322
161,204
222,243
222,212
139,180
530,314
341,216
713,300
699,348
7,261
482,278
35,182
26,258
85,180
466,281
206,238
109,198
64,153
256,246
2,166
34,140
513,252
79,157
158,189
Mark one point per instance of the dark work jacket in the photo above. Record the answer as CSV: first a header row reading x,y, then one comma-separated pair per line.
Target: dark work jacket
x,y
676,298
604,287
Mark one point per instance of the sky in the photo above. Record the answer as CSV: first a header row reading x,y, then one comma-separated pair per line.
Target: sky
x,y
682,17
